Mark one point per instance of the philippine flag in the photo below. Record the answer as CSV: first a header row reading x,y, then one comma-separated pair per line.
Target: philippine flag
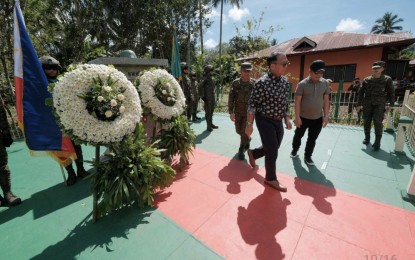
x,y
35,118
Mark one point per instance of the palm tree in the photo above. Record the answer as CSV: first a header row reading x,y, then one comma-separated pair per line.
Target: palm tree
x,y
215,4
387,24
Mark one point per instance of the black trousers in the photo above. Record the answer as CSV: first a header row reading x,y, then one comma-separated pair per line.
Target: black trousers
x,y
271,133
314,127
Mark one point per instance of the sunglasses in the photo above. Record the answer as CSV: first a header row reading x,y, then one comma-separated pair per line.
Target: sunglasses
x,y
285,64
50,67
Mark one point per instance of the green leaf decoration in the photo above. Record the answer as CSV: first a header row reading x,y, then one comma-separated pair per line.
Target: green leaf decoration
x,y
132,174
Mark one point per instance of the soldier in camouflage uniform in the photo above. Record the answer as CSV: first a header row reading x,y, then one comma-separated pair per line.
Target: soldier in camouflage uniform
x,y
374,94
194,88
208,96
185,84
51,67
5,179
218,90
239,94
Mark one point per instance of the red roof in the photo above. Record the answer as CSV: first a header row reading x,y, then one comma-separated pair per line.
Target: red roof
x,y
330,41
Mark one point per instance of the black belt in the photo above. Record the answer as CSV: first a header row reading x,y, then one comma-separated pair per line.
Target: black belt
x,y
275,118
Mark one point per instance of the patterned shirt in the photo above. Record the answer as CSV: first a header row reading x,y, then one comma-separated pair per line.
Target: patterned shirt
x,y
270,96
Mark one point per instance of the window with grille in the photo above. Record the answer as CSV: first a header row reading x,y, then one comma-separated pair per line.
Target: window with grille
x,y
340,72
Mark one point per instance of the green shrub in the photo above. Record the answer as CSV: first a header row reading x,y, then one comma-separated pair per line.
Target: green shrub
x,y
178,138
132,174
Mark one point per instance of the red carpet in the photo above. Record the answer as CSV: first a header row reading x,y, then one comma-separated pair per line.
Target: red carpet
x,y
224,203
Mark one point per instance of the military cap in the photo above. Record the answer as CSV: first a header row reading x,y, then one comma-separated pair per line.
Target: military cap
x,y
183,65
378,64
246,66
208,68
49,61
317,65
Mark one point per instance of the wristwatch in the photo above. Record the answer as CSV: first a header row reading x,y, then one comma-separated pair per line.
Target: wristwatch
x,y
249,123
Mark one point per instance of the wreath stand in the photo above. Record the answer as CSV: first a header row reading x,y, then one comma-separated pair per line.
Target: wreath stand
x,y
94,194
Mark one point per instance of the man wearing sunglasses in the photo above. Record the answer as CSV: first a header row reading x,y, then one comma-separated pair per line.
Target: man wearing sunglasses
x,y
311,109
268,105
52,67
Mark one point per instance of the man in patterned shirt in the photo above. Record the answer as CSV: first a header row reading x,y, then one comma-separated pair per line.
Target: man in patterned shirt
x,y
268,105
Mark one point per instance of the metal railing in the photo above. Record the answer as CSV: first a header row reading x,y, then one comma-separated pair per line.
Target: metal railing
x,y
408,110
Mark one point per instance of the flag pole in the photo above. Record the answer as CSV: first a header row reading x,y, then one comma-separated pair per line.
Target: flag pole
x,y
63,174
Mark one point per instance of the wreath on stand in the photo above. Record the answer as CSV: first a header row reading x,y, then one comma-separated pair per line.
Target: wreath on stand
x,y
98,105
163,99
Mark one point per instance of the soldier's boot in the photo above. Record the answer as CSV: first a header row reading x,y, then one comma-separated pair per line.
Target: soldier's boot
x,y
241,155
9,197
367,139
80,170
71,175
376,144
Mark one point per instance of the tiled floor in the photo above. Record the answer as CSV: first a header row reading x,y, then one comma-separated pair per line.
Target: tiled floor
x,y
346,207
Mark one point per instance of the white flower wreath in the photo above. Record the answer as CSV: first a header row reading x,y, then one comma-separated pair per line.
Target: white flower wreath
x,y
161,94
72,110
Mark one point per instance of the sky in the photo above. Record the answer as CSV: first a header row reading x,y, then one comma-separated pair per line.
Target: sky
x,y
298,18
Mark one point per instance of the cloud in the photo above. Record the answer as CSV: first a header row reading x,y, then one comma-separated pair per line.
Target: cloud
x,y
350,25
237,14
211,43
213,13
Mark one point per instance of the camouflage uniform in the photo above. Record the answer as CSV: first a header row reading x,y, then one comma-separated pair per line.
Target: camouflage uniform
x,y
194,89
208,86
373,95
239,94
5,179
185,84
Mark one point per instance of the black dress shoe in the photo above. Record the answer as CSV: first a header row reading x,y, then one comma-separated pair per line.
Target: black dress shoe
x,y
276,185
251,159
215,126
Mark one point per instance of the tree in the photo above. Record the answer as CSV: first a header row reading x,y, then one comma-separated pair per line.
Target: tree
x,y
215,4
387,24
253,39
408,53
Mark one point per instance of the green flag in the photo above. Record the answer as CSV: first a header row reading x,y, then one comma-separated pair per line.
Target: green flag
x,y
175,68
